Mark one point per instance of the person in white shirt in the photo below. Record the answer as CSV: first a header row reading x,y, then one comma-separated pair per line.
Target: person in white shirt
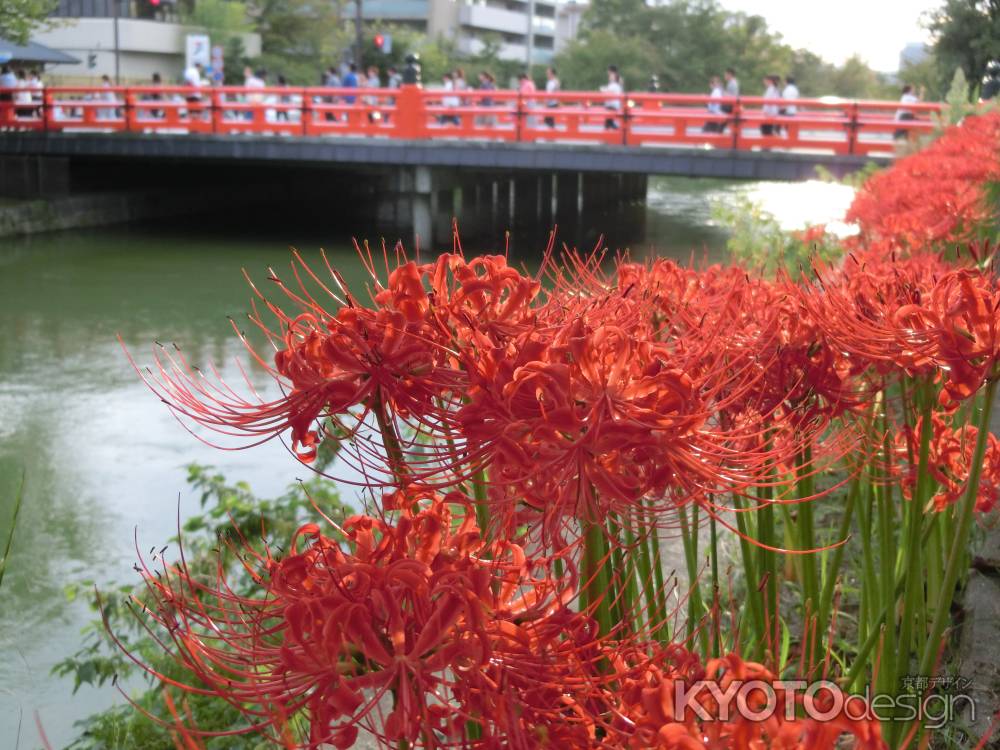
x,y
613,86
904,113
253,81
192,78
449,100
790,93
771,108
22,99
714,106
37,91
552,86
460,83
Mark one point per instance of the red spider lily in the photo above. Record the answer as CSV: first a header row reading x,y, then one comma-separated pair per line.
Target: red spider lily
x,y
419,614
651,703
932,197
877,312
966,303
949,460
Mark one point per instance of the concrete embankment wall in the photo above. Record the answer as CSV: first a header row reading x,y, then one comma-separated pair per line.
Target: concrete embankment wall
x,y
32,216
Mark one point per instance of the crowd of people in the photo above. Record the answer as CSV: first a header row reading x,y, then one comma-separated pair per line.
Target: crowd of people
x,y
775,88
28,90
779,95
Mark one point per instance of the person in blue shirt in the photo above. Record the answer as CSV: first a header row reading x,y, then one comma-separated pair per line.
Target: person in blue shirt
x,y
350,82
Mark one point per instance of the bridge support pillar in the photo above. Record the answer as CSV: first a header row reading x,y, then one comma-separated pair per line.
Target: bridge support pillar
x,y
547,199
567,198
421,207
526,201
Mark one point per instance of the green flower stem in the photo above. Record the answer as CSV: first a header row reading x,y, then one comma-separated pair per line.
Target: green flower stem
x,y
960,540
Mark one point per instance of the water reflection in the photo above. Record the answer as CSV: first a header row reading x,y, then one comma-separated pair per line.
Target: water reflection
x,y
104,460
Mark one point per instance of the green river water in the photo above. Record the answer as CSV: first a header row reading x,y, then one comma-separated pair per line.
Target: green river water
x,y
104,459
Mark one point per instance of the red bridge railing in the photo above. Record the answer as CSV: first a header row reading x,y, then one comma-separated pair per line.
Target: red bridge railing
x,y
412,113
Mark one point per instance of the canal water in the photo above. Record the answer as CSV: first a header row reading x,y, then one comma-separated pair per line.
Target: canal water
x,y
103,459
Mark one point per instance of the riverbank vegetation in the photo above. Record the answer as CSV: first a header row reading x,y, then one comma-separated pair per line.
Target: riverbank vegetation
x,y
811,445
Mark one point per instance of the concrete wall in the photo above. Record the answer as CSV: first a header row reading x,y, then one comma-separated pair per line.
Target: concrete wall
x,y
144,48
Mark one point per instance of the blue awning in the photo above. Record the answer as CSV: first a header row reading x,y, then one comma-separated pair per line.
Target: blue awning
x,y
32,52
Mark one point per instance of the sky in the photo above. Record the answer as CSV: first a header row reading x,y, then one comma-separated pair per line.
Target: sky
x,y
877,30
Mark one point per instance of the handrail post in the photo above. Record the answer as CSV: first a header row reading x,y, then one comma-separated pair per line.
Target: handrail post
x,y
736,113
852,128
625,118
411,112
127,109
305,109
518,118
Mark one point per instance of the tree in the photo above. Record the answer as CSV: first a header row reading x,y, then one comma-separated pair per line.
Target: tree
x,y
854,79
18,18
583,64
685,42
966,35
299,38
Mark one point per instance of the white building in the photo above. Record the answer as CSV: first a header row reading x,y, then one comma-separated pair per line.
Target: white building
x,y
568,16
97,33
471,23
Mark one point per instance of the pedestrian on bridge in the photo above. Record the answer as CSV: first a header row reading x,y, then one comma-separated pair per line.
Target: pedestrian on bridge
x,y
350,82
714,106
771,108
613,86
372,81
330,80
487,83
789,94
37,89
552,86
904,113
449,100
458,75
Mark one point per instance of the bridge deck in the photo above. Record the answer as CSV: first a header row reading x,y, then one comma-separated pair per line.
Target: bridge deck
x,y
457,154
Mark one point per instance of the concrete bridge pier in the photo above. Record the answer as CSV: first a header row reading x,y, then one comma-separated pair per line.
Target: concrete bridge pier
x,y
527,197
421,202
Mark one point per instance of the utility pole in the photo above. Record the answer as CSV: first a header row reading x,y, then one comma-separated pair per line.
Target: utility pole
x,y
531,36
357,33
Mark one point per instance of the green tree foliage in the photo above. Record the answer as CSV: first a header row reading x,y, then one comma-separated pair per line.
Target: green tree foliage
x,y
854,79
684,42
18,18
221,19
299,38
966,35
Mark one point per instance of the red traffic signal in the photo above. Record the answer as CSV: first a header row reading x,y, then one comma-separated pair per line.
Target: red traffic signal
x,y
379,41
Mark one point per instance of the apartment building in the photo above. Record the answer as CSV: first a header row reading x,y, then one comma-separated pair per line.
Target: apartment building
x,y
525,29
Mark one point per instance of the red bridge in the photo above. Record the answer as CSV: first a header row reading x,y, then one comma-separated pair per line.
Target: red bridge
x,y
831,126
413,158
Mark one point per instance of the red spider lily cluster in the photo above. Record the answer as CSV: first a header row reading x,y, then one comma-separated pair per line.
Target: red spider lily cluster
x,y
530,438
950,456
934,196
422,633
